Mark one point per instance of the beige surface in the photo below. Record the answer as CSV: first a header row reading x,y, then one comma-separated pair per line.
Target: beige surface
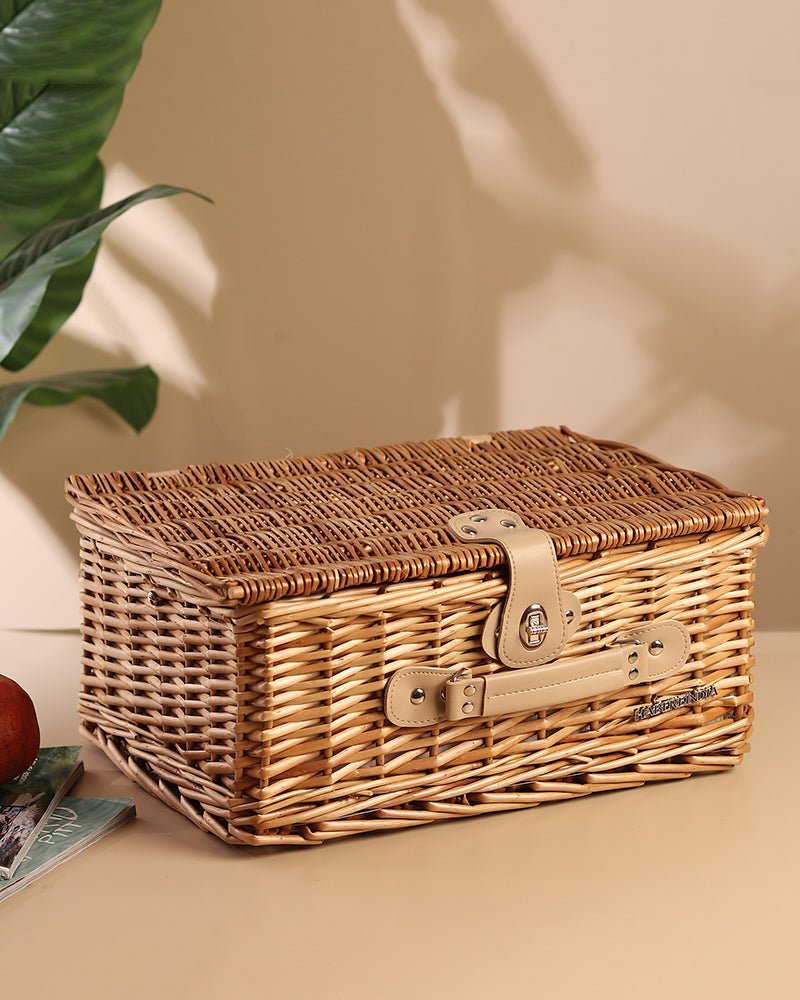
x,y
684,890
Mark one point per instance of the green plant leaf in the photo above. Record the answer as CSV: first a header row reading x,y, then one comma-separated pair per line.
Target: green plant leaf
x,y
26,272
66,285
130,392
64,65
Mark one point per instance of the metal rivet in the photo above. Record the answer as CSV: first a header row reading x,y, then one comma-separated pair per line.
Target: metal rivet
x,y
417,696
633,674
569,615
469,531
469,690
656,647
508,524
467,707
477,517
633,657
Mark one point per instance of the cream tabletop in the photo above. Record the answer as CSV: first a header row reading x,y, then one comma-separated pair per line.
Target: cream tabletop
x,y
682,890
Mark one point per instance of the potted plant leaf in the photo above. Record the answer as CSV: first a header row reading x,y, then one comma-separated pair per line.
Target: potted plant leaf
x,y
64,65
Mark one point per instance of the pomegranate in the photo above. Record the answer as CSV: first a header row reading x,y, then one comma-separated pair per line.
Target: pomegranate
x,y
19,730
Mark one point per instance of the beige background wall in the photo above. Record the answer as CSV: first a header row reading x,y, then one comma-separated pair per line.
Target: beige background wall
x,y
437,217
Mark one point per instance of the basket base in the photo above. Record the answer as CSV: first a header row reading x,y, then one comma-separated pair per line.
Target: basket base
x,y
415,812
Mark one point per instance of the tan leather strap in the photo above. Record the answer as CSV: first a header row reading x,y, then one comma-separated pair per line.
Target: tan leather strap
x,y
538,617
426,696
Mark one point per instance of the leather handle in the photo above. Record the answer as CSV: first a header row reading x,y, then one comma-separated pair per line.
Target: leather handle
x,y
426,696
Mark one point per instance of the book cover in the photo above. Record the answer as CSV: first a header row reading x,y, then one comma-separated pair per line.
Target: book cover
x,y
27,801
73,825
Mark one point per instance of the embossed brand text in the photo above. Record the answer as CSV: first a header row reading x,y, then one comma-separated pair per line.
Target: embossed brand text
x,y
660,706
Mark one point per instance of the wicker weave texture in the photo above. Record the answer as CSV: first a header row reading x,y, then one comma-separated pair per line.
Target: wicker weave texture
x,y
249,533
264,722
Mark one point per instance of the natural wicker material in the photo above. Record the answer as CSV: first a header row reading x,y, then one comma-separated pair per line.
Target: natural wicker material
x,y
241,623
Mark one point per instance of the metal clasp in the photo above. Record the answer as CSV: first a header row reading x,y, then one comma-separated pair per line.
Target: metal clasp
x,y
533,626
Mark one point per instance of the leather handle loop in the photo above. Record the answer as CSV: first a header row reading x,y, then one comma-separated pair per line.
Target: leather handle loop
x,y
426,696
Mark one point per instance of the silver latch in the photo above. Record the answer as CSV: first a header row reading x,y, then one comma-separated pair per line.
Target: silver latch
x,y
533,626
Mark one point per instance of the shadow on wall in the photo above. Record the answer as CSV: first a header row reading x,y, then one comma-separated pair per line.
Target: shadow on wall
x,y
722,359
360,265
385,176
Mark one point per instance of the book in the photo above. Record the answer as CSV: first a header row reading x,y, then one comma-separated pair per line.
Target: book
x,y
27,801
73,825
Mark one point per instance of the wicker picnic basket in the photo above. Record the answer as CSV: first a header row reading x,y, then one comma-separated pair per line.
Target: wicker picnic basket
x,y
294,651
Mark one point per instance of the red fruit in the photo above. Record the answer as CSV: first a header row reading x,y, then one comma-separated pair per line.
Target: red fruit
x,y
19,730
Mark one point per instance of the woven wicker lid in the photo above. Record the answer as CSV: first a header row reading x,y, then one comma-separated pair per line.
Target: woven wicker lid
x,y
245,533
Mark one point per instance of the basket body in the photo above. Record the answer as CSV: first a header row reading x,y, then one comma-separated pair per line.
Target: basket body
x,y
261,714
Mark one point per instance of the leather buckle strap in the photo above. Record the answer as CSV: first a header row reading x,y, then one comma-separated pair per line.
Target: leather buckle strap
x,y
538,617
